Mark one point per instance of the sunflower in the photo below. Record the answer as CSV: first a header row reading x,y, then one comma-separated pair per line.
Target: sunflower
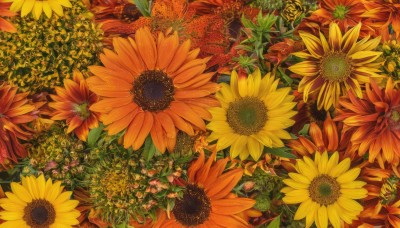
x,y
152,86
38,203
373,121
335,66
207,200
254,114
39,6
15,112
325,190
72,103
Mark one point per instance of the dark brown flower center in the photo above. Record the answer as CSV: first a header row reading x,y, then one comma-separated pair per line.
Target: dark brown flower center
x,y
39,214
316,115
247,115
324,190
193,208
335,66
153,90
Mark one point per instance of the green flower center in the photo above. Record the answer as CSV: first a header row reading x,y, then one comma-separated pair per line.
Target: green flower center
x,y
39,213
153,90
395,116
389,190
247,115
394,119
335,67
340,12
324,190
82,110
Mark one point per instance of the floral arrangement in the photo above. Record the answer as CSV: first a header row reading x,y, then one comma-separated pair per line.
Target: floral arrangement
x,y
199,113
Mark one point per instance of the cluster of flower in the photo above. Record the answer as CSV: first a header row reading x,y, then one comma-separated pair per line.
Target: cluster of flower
x,y
199,113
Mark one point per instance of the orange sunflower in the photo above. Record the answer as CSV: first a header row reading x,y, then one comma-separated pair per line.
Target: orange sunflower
x,y
72,104
335,65
5,12
154,86
373,121
207,200
15,112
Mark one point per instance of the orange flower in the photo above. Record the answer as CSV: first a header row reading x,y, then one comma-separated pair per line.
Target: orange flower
x,y
15,112
321,140
72,104
382,205
5,12
346,13
152,86
373,121
381,14
207,200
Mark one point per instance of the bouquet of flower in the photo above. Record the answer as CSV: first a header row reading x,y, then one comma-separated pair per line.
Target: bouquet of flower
x,y
199,113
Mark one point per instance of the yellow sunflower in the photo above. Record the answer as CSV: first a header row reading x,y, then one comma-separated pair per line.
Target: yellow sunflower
x,y
38,203
253,114
334,66
326,190
39,6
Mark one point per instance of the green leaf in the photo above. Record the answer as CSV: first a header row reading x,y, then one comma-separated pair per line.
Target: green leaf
x,y
281,152
144,7
149,149
94,135
275,223
304,130
285,77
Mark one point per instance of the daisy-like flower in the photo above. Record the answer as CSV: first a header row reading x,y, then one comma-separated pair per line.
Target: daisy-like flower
x,y
207,200
38,203
381,14
382,206
15,113
254,113
5,12
325,189
36,7
373,121
152,86
346,13
334,66
72,104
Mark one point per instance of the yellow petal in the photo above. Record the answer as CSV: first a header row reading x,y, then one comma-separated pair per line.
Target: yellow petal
x,y
242,87
56,7
299,178
349,176
334,216
354,193
333,161
47,9
21,192
37,9
342,167
323,163
27,7
234,83
303,209
16,5
66,206
345,202
295,184
322,217
11,215
335,37
353,184
65,3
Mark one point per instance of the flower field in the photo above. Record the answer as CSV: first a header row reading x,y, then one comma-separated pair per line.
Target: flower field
x,y
199,113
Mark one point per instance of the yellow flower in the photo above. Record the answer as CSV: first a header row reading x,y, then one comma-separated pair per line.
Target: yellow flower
x,y
334,66
254,114
38,203
325,189
39,6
